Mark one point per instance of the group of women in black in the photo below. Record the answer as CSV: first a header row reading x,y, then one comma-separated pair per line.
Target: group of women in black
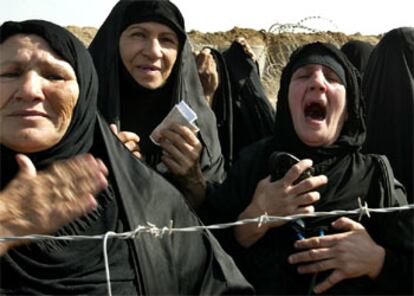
x,y
143,61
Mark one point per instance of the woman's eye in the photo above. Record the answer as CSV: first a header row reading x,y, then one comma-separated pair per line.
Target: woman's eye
x,y
138,34
332,78
301,76
54,77
10,74
168,40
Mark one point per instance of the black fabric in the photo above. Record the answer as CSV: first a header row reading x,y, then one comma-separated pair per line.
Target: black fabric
x,y
388,88
358,52
179,264
134,113
351,175
325,60
183,85
253,115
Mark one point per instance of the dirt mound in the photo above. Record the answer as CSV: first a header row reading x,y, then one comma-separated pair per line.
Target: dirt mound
x,y
274,47
85,34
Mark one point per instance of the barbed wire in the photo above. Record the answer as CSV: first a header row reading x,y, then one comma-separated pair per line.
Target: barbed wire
x,y
159,232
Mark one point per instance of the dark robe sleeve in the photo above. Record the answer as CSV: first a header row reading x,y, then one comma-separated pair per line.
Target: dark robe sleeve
x,y
395,232
225,202
397,237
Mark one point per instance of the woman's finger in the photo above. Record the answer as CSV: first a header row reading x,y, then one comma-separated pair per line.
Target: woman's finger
x,y
26,165
114,128
335,277
310,256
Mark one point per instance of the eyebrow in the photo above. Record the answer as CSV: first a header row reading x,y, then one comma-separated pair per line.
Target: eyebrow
x,y
22,63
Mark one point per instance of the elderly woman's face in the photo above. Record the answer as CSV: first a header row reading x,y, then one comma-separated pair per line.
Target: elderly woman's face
x,y
38,93
317,102
149,51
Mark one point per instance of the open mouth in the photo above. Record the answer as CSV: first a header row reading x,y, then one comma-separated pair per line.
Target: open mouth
x,y
315,111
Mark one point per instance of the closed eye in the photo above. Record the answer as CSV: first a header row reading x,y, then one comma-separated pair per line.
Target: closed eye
x,y
10,74
333,78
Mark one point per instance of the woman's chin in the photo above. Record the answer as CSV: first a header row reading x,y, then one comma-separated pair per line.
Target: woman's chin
x,y
24,143
314,139
150,83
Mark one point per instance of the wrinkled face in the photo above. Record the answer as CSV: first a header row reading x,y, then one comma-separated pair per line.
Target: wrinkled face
x,y
317,102
38,93
149,51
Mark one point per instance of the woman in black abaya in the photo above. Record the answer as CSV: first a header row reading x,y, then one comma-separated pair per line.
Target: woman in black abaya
x,y
320,119
388,88
137,91
37,58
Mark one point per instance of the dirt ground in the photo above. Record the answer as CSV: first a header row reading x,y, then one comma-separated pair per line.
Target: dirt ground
x,y
274,46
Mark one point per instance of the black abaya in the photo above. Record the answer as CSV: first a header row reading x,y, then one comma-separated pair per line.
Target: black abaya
x,y
351,175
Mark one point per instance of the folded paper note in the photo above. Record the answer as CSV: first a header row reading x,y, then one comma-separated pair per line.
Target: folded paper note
x,y
181,114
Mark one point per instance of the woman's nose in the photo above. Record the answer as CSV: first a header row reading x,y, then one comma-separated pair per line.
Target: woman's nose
x,y
153,49
318,81
31,87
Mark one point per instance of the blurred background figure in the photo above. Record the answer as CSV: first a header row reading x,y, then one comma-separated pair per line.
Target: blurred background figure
x,y
358,53
388,88
231,83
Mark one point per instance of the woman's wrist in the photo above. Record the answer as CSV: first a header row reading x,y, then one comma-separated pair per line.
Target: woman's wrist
x,y
377,266
249,234
5,219
194,189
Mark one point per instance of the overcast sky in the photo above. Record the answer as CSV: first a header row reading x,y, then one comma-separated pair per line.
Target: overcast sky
x,y
349,16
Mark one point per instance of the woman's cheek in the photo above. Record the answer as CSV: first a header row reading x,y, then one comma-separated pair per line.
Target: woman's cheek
x,y
63,101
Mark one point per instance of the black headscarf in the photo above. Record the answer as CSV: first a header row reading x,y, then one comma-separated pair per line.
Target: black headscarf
x,y
358,53
178,264
388,89
140,110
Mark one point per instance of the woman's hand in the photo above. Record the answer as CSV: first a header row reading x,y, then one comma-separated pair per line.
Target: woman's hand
x,y
246,47
207,71
41,202
349,254
279,198
129,139
181,156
